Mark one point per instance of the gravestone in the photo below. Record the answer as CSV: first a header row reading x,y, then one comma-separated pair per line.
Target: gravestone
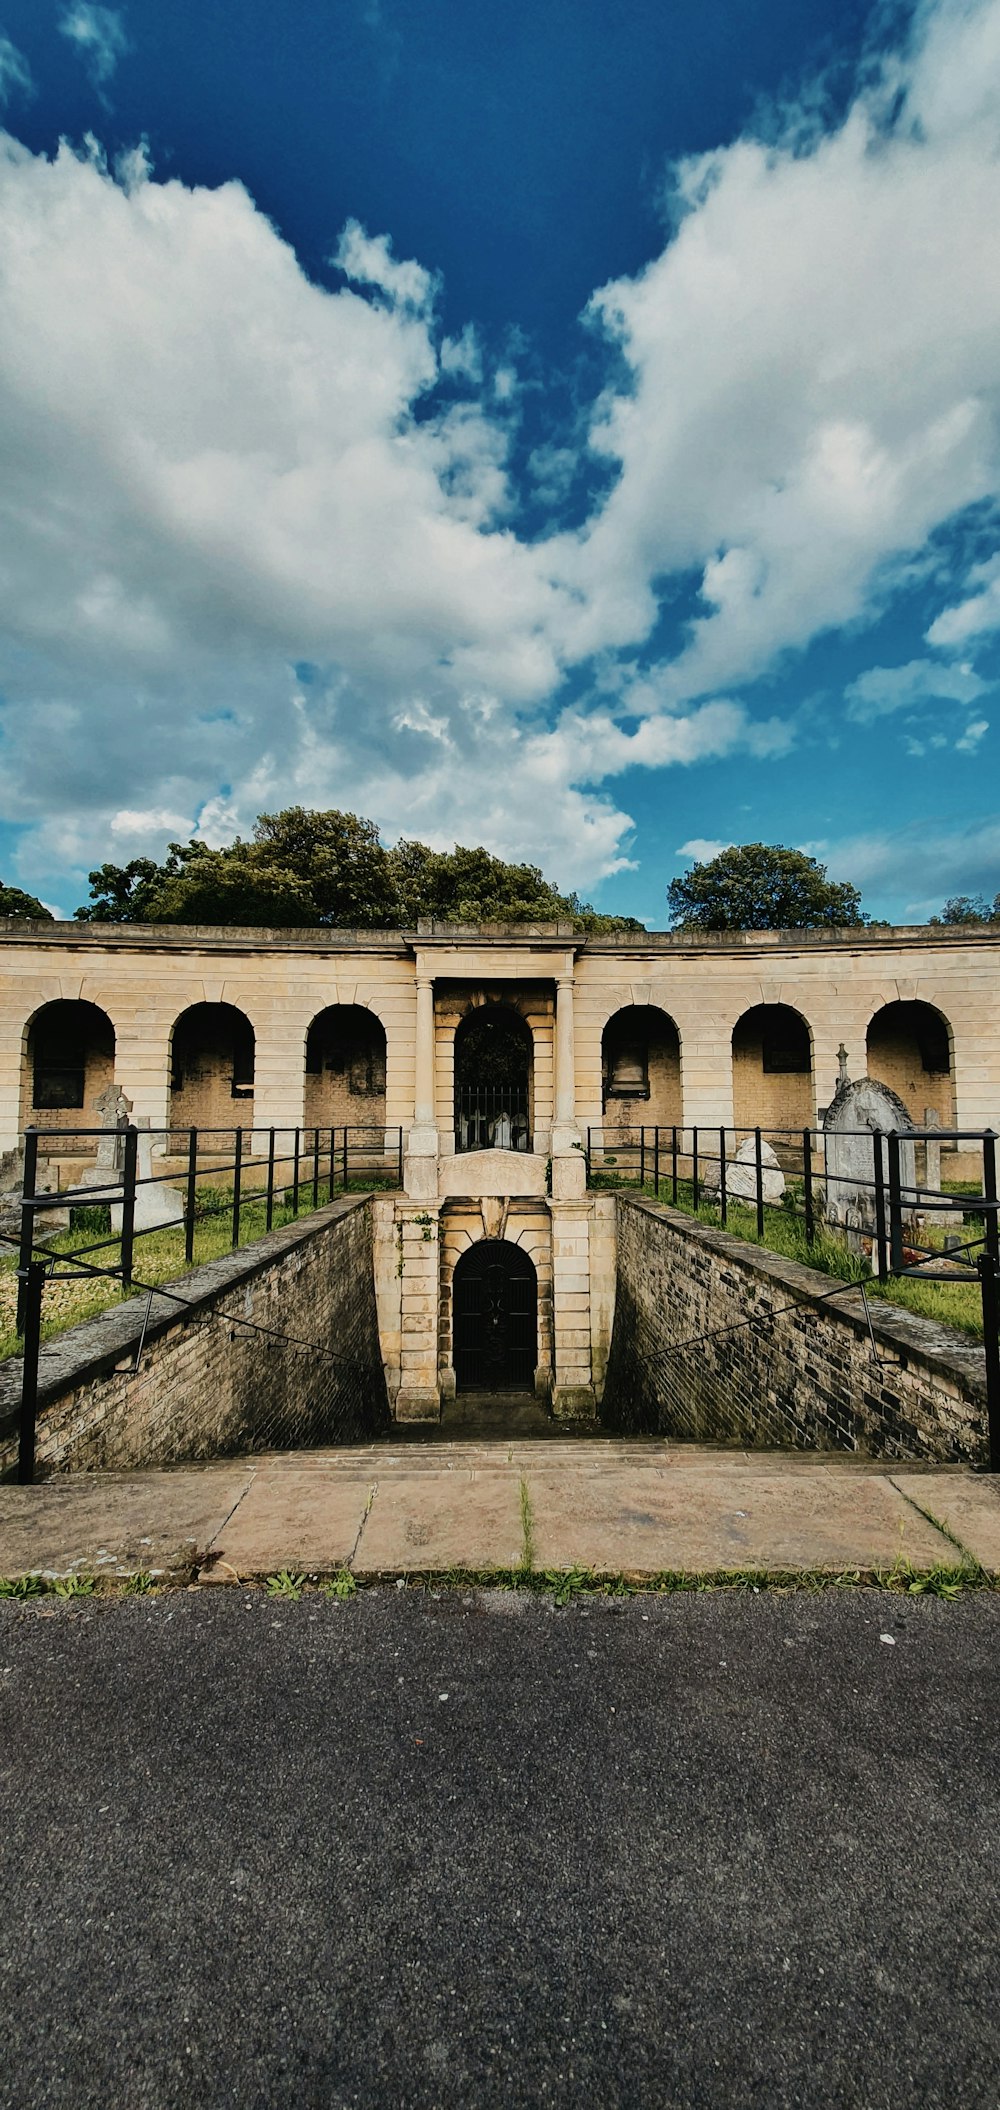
x,y
155,1206
114,1110
857,1114
741,1174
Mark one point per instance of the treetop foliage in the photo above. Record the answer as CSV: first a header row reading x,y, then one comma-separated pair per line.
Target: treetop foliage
x,y
15,903
759,886
303,868
969,908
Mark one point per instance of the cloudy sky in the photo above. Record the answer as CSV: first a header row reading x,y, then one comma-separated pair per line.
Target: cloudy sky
x,y
570,429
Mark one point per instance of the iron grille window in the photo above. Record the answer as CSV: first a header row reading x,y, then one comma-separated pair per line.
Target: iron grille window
x,y
492,1117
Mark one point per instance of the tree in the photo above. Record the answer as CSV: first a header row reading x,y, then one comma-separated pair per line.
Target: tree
x,y
302,867
14,903
760,886
969,908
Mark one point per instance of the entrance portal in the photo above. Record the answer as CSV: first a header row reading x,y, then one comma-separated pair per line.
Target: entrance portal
x,y
495,1308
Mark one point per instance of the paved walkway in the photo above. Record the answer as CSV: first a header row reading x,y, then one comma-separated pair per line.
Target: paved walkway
x,y
637,1509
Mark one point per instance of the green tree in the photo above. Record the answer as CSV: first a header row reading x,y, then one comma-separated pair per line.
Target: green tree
x,y
302,867
760,886
14,903
969,908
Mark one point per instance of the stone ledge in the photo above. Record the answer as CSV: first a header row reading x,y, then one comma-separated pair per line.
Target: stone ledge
x,y
92,1349
944,1352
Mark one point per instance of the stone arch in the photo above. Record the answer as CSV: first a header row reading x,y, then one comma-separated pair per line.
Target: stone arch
x,y
909,1047
494,1077
212,1055
68,1059
641,1068
345,1067
773,1069
495,1317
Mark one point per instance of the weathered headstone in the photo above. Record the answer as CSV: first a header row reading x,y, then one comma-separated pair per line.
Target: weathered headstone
x,y
858,1113
156,1205
741,1174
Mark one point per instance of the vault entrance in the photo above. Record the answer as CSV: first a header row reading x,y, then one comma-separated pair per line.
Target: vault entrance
x,y
495,1310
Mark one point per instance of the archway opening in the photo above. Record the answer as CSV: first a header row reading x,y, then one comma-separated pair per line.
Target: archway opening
x,y
909,1049
345,1069
493,1063
641,1068
772,1069
495,1318
69,1060
212,1068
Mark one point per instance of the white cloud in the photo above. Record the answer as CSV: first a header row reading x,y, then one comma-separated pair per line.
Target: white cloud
x,y
15,72
99,35
815,363
972,736
973,617
368,260
922,864
702,849
882,690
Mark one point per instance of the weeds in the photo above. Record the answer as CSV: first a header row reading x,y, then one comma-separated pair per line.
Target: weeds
x,y
73,1585
341,1585
135,1585
21,1586
285,1584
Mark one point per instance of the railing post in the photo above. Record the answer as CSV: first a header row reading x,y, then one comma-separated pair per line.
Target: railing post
x,y
642,1156
723,1203
295,1176
27,1223
989,1282
895,1206
807,1185
991,1229
345,1157
694,1165
656,1162
237,1184
269,1205
333,1164
189,1201
34,1283
399,1168
759,1175
881,1255
673,1163
128,1203
315,1168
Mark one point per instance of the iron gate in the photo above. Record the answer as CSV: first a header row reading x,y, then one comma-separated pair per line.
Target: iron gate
x,y
495,1305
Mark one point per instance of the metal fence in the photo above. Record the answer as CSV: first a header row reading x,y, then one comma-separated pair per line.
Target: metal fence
x,y
243,1177
723,1168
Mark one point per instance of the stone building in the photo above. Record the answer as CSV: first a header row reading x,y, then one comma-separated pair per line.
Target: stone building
x,y
492,1052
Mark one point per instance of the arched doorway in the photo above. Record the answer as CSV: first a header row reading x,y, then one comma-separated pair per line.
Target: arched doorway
x,y
495,1315
493,1050
345,1069
772,1069
69,1059
909,1049
212,1068
641,1069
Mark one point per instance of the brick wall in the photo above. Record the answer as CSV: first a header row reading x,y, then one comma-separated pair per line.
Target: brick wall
x,y
206,1388
801,1377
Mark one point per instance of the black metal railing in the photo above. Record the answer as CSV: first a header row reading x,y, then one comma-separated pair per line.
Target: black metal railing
x,y
492,1117
892,1215
243,1176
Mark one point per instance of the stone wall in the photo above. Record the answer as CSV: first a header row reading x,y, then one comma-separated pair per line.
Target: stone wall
x,y
801,1374
207,1386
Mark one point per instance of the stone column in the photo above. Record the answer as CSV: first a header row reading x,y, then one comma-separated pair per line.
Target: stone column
x,y
420,1171
569,1173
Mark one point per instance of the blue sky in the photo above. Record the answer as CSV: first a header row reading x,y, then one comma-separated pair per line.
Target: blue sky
x,y
541,427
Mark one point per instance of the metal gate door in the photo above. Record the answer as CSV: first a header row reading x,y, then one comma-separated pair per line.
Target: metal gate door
x,y
495,1307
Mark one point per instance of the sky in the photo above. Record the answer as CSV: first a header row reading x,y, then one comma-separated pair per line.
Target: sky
x,y
560,427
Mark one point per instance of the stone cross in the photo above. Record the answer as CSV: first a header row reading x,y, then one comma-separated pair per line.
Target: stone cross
x,y
114,1110
842,1077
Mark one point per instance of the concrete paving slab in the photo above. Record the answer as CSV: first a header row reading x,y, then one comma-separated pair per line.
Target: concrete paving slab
x,y
441,1520
968,1506
114,1523
307,1521
711,1519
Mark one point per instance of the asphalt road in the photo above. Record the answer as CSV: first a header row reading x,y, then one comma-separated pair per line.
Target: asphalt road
x,y
707,1850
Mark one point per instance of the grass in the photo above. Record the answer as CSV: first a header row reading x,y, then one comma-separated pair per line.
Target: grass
x,y
955,1304
158,1256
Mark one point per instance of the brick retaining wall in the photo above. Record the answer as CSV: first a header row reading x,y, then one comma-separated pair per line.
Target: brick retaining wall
x,y
805,1377
208,1389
